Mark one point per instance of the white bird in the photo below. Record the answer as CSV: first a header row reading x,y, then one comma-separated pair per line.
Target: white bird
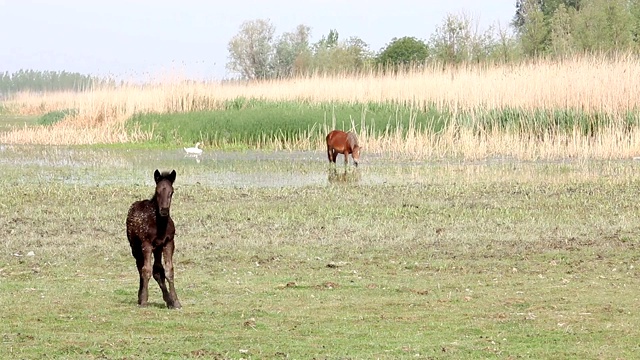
x,y
193,150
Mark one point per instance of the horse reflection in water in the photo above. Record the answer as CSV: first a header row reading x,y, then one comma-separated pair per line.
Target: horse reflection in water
x,y
343,177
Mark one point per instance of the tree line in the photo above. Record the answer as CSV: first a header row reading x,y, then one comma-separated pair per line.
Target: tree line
x,y
568,27
539,28
35,80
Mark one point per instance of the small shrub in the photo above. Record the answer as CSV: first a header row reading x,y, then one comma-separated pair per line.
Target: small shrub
x,y
53,117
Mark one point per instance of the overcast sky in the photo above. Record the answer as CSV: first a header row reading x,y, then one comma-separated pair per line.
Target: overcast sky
x,y
137,39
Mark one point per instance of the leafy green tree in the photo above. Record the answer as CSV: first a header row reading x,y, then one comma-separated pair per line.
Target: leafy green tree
x,y
330,55
255,54
537,30
251,51
604,25
292,52
619,29
634,12
506,46
327,42
42,81
358,52
561,31
457,40
548,8
403,51
531,27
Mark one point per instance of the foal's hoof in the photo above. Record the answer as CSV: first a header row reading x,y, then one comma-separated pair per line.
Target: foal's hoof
x,y
175,305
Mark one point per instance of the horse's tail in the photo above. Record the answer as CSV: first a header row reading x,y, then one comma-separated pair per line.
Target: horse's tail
x,y
352,140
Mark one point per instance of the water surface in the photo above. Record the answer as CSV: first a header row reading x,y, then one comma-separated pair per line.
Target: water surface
x,y
88,166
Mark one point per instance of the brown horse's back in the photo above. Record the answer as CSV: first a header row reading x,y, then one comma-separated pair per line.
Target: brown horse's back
x,y
337,140
340,142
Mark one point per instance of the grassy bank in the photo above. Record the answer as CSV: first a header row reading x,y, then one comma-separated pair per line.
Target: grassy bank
x,y
451,261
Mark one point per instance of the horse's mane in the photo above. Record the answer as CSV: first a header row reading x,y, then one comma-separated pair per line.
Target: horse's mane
x,y
352,139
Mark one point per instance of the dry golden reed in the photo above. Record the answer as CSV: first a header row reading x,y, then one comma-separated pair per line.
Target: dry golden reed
x,y
589,83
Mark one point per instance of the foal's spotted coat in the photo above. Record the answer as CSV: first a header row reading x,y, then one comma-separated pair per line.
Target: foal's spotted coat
x,y
150,231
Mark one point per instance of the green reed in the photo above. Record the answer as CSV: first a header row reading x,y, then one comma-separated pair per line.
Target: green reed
x,y
251,122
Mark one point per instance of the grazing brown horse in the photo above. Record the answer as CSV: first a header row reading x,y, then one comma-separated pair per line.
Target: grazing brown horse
x,y
150,231
345,143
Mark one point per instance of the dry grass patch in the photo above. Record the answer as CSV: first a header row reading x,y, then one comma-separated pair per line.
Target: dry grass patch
x,y
587,83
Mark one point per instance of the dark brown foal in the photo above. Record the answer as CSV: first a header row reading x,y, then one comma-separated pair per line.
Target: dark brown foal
x,y
150,231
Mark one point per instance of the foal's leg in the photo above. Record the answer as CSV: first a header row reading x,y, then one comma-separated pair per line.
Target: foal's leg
x,y
143,261
159,274
167,251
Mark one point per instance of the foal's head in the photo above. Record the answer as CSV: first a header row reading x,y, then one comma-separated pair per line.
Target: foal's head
x,y
164,190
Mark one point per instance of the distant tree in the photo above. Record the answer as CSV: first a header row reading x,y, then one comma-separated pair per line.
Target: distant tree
x,y
254,53
506,47
330,55
403,51
531,27
251,51
458,40
518,18
323,51
561,27
604,25
42,81
548,8
561,31
327,42
634,11
358,52
292,51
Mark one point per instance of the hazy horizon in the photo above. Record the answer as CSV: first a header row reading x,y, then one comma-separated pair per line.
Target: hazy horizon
x,y
144,39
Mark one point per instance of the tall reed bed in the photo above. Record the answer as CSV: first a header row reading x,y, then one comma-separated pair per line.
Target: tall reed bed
x,y
530,110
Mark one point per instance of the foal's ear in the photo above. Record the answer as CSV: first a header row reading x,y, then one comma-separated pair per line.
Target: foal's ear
x,y
172,176
156,176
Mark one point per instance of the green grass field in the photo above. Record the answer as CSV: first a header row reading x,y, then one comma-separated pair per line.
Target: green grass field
x,y
418,261
245,123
